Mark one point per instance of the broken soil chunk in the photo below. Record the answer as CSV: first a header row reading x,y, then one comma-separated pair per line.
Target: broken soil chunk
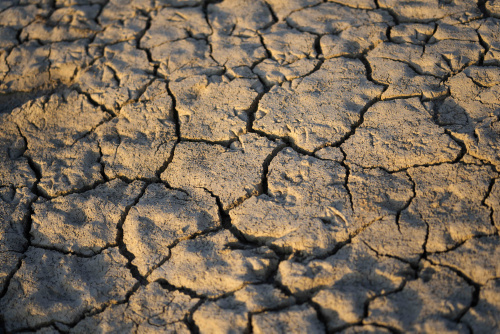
x,y
212,108
171,24
332,18
211,266
439,59
239,15
83,223
307,209
471,112
490,34
320,108
355,265
345,281
151,309
485,316
28,66
430,10
234,51
14,167
379,198
448,199
288,45
64,24
232,313
427,293
138,142
296,319
283,8
122,74
478,258
51,286
184,58
163,217
403,81
399,134
414,33
14,212
272,73
354,40
232,174
58,132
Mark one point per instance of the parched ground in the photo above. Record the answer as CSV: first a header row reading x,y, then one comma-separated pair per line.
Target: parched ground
x,y
237,166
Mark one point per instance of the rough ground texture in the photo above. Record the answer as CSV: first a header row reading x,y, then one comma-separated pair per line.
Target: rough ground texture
x,y
235,166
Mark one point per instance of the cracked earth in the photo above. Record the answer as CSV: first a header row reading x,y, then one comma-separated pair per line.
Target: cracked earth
x,y
265,166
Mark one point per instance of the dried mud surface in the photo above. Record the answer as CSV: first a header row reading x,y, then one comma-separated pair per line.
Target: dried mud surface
x,y
265,166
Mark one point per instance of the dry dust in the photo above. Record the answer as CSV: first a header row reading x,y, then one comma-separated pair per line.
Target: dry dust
x,y
264,166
